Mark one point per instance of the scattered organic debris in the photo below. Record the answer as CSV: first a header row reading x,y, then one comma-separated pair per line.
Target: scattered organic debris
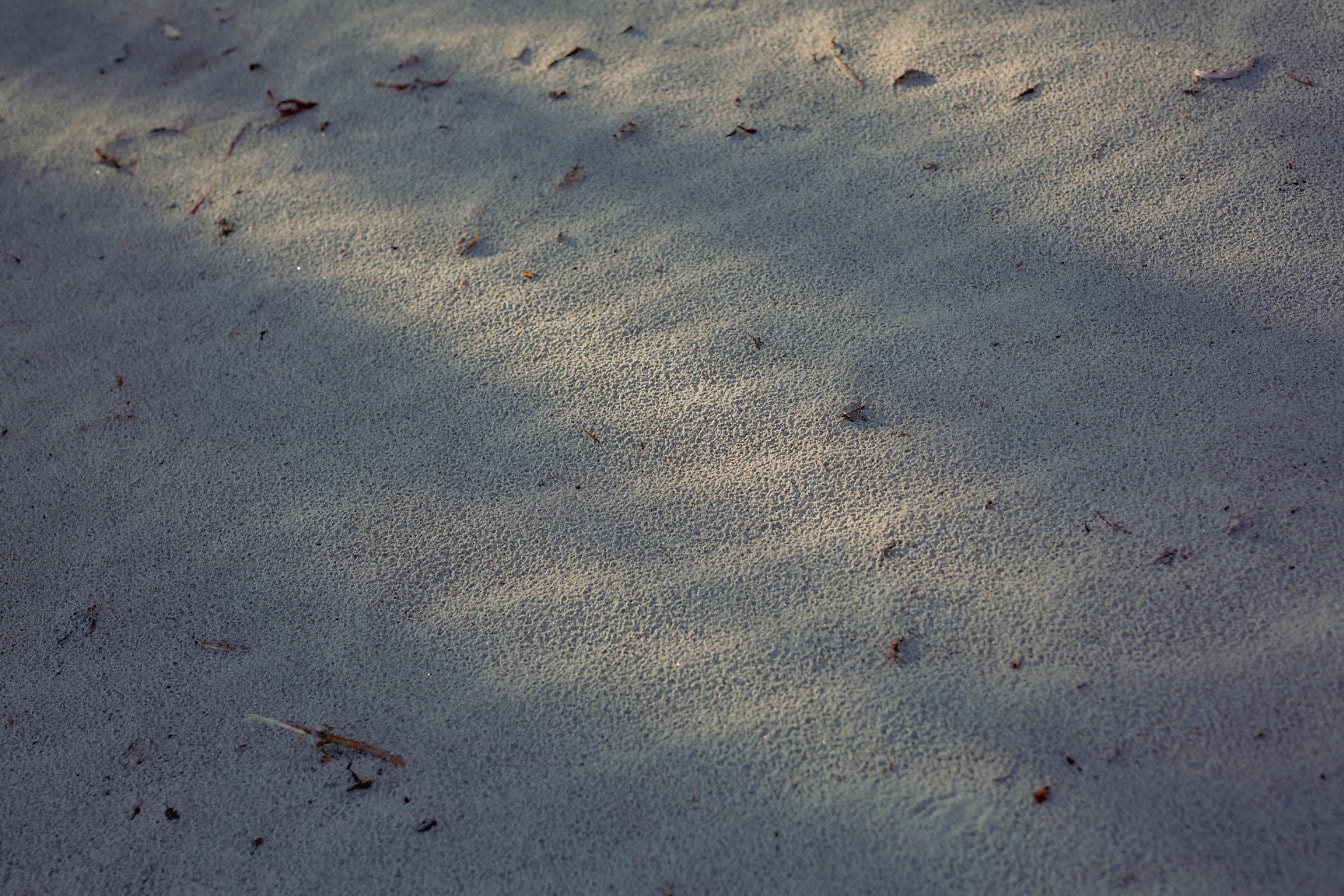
x,y
1029,92
1293,76
625,130
325,738
740,129
590,435
894,650
1041,794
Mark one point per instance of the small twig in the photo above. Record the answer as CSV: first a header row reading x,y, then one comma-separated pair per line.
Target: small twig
x,y
106,158
236,137
415,83
1213,74
200,202
1293,76
844,66
1116,526
220,645
298,729
326,738
577,51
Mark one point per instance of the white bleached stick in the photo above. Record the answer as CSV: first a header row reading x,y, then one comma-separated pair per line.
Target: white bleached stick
x,y
1213,74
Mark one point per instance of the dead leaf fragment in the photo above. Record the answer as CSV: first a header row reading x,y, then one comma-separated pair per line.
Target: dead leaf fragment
x,y
571,177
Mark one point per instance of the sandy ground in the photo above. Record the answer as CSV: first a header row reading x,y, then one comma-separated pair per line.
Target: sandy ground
x,y
489,411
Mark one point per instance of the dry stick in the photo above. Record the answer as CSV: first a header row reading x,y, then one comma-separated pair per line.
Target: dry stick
x,y
326,737
419,83
1212,74
220,645
844,66
236,137
849,71
1115,526
199,203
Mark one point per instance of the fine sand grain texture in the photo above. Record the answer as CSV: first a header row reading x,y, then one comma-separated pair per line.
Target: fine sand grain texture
x,y
671,447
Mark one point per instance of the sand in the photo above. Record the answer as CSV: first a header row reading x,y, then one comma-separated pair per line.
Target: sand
x,y
488,413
